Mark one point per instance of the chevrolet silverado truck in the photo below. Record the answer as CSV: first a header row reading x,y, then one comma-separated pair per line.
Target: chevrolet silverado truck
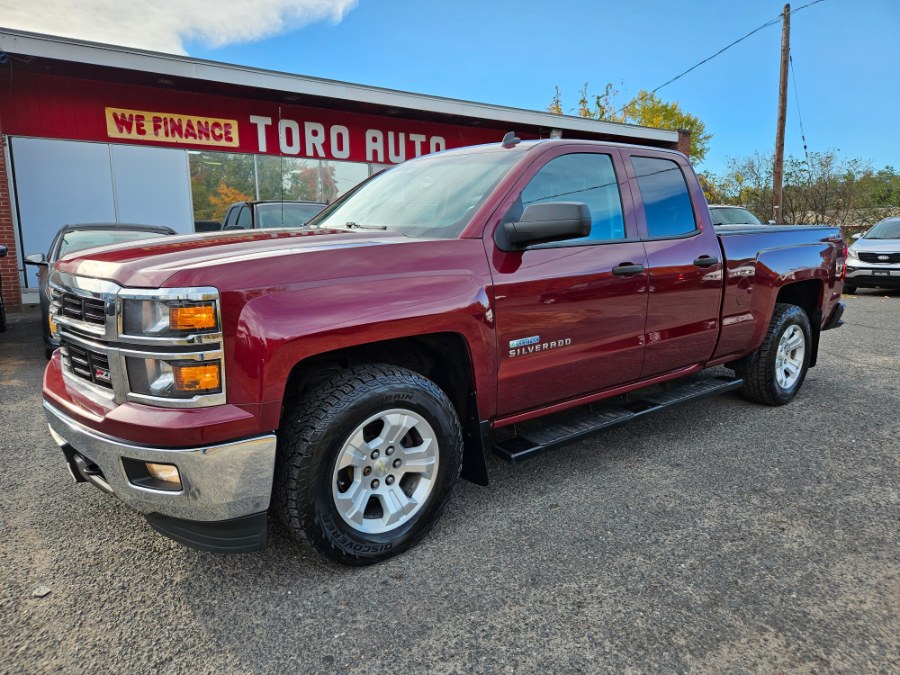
x,y
343,376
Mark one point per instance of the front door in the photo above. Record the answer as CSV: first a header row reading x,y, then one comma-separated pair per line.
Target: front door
x,y
570,314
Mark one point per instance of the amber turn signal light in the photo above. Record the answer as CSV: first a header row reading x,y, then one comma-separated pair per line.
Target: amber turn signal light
x,y
197,379
193,317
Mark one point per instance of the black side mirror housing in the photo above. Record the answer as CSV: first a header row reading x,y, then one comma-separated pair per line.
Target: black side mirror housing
x,y
554,221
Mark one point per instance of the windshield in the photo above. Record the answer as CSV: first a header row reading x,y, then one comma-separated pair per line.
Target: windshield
x,y
733,215
286,215
76,240
427,197
889,228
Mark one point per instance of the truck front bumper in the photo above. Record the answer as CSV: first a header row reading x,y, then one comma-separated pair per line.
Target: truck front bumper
x,y
224,489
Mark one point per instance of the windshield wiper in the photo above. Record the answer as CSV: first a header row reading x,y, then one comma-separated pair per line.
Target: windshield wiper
x,y
350,224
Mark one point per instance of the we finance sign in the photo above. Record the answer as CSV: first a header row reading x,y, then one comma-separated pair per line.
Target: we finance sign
x,y
294,131
139,125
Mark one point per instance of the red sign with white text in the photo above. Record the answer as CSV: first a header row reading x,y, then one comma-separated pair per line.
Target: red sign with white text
x,y
50,106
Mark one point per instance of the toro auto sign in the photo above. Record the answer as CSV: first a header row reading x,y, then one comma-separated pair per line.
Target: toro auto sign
x,y
294,137
53,106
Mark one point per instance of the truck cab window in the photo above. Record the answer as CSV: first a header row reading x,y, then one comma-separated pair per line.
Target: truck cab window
x,y
583,177
667,205
244,221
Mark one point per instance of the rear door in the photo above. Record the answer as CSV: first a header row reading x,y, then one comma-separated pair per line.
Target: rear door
x,y
568,323
685,285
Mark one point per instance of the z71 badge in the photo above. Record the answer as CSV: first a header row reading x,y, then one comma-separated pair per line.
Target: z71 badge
x,y
533,344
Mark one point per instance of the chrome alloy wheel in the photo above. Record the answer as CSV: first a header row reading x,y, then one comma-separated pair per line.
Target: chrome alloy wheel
x,y
789,357
385,471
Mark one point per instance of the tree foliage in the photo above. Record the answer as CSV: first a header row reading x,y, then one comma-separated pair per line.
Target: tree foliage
x,y
823,189
223,197
646,109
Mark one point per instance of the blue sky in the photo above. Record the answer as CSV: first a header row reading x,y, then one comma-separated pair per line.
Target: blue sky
x,y
514,53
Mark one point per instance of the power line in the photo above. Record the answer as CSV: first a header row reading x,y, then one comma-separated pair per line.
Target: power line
x,y
773,22
799,116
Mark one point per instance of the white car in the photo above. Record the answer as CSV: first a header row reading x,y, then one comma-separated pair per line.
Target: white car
x,y
873,261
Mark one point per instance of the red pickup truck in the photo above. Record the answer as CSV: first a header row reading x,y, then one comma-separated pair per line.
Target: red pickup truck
x,y
346,374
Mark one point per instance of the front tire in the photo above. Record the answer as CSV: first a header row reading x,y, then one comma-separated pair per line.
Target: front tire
x,y
774,373
366,463
849,290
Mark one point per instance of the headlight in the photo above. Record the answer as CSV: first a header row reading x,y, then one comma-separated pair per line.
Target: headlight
x,y
174,379
851,254
169,318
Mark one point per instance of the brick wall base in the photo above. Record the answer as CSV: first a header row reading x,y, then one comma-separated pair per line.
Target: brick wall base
x,y
12,293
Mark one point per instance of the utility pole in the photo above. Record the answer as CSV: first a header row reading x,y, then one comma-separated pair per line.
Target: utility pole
x,y
778,170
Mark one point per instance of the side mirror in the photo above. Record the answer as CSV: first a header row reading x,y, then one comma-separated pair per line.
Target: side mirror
x,y
38,259
3,251
555,221
858,235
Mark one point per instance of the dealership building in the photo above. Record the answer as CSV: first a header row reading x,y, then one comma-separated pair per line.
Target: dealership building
x,y
96,133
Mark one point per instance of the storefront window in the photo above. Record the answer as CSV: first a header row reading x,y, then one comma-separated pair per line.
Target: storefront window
x,y
219,179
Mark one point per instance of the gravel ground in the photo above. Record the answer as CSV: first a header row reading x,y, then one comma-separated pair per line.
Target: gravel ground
x,y
719,536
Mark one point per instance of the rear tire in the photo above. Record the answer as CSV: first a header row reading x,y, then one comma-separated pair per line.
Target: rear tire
x,y
366,463
774,373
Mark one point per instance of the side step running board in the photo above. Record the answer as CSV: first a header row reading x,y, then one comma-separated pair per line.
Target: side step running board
x,y
537,439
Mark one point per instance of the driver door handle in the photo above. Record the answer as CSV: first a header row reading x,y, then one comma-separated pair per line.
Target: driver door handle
x,y
627,269
706,261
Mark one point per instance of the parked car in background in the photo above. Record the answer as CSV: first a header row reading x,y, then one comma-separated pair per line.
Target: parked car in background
x,y
732,215
72,238
2,308
873,261
268,214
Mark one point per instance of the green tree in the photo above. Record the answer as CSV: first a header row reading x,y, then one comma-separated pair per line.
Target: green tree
x,y
646,109
823,188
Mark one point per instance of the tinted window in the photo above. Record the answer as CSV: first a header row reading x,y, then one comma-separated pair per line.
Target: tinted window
x,y
230,216
586,178
667,205
243,219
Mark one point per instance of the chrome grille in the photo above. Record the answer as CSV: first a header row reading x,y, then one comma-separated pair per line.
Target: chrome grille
x,y
870,257
88,365
89,310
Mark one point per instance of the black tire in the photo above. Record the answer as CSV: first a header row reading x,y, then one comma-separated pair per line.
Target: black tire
x,y
849,290
759,368
311,441
48,352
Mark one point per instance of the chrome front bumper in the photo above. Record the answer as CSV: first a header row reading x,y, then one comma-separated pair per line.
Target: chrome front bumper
x,y
219,482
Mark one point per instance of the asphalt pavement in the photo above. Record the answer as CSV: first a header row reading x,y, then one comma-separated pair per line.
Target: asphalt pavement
x,y
721,536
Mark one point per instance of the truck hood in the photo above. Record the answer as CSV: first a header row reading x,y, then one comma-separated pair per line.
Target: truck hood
x,y
152,263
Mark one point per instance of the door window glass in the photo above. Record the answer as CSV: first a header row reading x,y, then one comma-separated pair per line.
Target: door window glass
x,y
583,177
243,220
667,205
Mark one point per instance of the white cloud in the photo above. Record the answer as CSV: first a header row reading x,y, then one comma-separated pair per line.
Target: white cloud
x,y
164,25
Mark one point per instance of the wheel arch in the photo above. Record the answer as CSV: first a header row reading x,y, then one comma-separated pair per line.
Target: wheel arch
x,y
444,358
807,295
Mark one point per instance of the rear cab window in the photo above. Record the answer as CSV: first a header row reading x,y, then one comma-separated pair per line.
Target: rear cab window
x,y
664,192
